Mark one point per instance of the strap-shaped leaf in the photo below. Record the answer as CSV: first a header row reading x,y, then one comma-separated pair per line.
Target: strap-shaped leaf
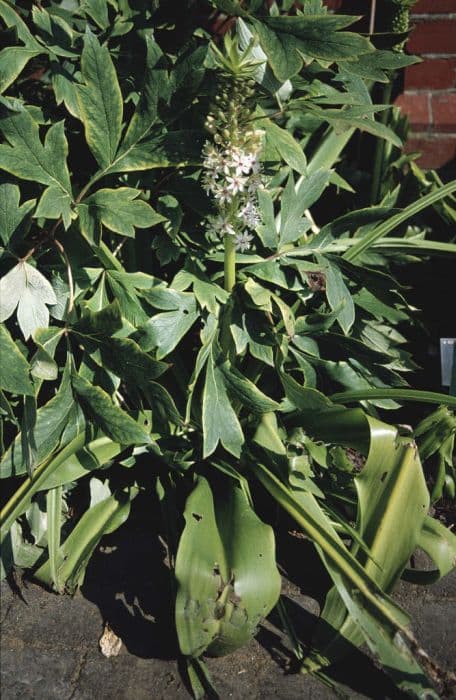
x,y
74,554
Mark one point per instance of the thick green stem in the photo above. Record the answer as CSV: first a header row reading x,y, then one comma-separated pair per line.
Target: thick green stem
x,y
379,162
230,262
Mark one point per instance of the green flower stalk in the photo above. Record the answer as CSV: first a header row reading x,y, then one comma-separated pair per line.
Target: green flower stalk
x,y
231,165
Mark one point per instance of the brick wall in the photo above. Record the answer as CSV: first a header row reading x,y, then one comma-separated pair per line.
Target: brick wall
x,y
429,97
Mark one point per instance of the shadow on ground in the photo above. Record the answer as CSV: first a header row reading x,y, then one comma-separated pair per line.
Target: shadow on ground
x,y
50,643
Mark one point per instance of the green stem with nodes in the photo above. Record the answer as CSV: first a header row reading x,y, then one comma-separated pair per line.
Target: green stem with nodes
x,y
229,263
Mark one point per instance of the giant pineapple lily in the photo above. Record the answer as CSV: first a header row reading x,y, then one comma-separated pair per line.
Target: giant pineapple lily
x,y
175,302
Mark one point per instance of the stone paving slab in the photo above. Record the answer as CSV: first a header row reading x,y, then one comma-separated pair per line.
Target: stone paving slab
x,y
50,645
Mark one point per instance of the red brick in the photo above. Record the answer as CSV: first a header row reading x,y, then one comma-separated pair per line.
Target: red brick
x,y
437,36
416,107
444,112
424,6
436,73
436,152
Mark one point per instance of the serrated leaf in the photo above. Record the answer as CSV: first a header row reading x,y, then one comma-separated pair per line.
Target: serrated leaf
x,y
14,219
27,158
100,101
119,210
14,368
114,422
220,423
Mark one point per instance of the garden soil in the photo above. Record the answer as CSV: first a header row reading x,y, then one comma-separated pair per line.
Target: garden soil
x,y
50,643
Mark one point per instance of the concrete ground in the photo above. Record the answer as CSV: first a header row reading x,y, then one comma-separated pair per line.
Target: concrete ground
x,y
50,645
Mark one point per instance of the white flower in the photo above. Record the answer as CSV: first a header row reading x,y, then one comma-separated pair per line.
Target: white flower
x,y
249,215
222,193
222,225
235,183
243,241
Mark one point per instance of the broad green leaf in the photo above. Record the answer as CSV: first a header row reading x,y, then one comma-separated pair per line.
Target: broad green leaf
x,y
225,570
296,200
100,101
119,210
96,10
14,368
27,158
126,359
59,414
246,391
98,325
112,420
338,294
208,294
55,33
220,423
304,398
346,119
64,85
267,230
14,219
174,149
145,113
43,365
374,66
55,203
13,60
165,330
281,142
14,19
27,289
285,40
